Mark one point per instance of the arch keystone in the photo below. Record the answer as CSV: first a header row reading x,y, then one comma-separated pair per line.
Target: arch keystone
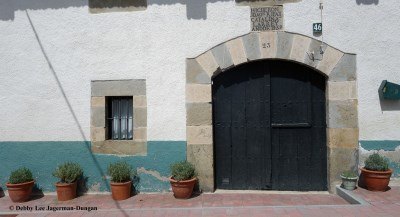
x,y
268,42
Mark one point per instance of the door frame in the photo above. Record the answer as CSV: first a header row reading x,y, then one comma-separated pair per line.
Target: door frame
x,y
341,95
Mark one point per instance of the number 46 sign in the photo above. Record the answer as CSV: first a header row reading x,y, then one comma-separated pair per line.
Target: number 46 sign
x,y
317,27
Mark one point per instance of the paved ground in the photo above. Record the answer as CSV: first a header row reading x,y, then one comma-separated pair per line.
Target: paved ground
x,y
379,204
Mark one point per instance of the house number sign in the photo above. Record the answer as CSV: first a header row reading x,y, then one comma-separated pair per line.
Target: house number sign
x,y
266,18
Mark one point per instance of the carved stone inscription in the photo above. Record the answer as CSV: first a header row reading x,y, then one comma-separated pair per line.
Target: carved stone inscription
x,y
266,18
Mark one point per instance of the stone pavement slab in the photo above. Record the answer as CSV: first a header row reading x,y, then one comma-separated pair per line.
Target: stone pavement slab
x,y
216,204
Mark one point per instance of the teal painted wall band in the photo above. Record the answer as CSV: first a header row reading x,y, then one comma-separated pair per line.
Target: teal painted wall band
x,y
386,145
43,157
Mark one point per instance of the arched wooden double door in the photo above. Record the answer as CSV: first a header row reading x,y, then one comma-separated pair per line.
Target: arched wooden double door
x,y
270,127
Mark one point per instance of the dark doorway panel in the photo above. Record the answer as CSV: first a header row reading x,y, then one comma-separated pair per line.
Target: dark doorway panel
x,y
269,127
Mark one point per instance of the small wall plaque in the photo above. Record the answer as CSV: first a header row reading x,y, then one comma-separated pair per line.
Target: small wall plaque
x,y
317,27
266,18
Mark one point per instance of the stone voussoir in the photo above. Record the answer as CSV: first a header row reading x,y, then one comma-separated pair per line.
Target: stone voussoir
x,y
237,51
345,70
195,74
208,63
315,53
284,46
252,46
330,59
222,56
300,46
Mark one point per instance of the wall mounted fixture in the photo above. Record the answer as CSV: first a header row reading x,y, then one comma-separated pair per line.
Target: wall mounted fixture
x,y
390,91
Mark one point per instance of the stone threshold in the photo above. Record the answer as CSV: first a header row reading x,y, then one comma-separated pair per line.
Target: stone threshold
x,y
349,196
222,191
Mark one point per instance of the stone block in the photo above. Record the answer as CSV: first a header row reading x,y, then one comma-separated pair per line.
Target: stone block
x,y
342,90
139,117
237,51
198,114
139,101
119,88
98,101
343,137
222,56
314,56
120,147
340,159
199,134
345,70
342,114
330,60
268,44
195,73
252,46
284,46
208,63
140,134
300,46
97,134
201,156
198,93
98,117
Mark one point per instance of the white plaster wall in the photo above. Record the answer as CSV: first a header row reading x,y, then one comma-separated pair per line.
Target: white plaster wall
x,y
153,45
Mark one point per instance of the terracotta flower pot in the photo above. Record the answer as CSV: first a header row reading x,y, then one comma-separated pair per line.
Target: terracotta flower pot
x,y
376,180
66,191
182,189
121,191
20,192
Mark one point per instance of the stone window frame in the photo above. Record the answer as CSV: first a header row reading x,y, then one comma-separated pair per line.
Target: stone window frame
x,y
100,89
341,95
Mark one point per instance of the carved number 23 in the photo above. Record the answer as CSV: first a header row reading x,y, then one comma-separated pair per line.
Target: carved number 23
x,y
266,45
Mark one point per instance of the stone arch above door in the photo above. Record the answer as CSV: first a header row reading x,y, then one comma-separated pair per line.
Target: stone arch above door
x,y
337,66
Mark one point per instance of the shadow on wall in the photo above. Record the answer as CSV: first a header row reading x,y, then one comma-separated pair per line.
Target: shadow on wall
x,y
195,9
367,2
389,105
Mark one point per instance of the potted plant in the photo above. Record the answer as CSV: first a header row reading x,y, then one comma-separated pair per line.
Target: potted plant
x,y
68,173
182,179
20,184
376,173
349,180
121,179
